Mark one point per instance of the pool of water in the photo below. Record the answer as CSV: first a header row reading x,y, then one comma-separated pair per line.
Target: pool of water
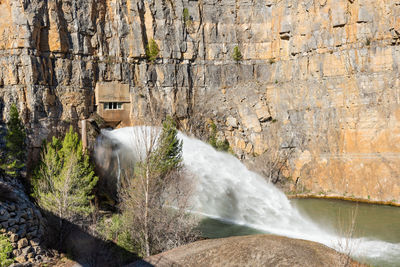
x,y
372,221
343,218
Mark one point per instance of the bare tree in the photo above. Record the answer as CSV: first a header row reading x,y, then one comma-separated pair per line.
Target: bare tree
x,y
155,193
346,243
277,163
274,162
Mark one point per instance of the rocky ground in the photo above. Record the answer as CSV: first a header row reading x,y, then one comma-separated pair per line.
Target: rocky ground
x,y
22,222
254,250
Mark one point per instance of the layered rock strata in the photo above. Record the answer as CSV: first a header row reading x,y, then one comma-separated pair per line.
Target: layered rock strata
x,y
318,76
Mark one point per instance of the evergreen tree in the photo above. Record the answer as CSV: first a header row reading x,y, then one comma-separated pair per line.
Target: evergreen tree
x,y
65,179
157,183
15,157
168,155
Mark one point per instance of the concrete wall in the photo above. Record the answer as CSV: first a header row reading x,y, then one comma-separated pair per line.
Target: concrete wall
x,y
106,92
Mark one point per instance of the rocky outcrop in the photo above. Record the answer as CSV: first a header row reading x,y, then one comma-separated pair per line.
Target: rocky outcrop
x,y
21,221
320,76
255,250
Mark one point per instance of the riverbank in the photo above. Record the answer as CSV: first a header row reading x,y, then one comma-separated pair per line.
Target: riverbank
x,y
345,198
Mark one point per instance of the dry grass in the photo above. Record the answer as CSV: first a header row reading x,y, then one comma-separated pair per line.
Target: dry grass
x,y
346,242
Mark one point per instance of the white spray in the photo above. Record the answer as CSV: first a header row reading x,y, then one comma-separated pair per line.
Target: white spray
x,y
227,190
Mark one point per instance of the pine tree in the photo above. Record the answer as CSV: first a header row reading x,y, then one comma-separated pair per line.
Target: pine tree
x,y
168,155
65,179
15,144
157,183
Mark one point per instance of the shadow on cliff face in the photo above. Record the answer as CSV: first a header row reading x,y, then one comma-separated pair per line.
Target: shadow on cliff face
x,y
1,109
2,128
84,247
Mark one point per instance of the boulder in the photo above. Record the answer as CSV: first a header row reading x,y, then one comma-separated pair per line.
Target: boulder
x,y
254,250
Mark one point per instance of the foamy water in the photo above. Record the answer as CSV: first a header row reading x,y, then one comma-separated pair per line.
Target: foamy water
x,y
227,190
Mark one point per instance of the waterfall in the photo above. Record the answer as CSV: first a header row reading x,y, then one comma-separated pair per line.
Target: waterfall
x,y
227,190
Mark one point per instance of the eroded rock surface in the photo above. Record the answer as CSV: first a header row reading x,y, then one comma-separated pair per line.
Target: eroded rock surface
x,y
255,250
320,76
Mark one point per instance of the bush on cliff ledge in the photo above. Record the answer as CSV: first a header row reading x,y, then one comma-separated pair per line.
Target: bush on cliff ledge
x,y
152,50
237,55
220,145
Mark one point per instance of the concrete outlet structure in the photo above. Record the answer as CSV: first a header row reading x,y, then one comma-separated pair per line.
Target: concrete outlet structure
x,y
113,103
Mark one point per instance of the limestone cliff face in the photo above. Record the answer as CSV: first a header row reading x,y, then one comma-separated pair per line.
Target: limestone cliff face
x,y
321,76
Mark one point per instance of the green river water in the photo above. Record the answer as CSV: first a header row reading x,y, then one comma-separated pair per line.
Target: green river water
x,y
371,221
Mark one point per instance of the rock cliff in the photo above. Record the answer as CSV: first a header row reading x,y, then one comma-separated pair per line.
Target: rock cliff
x,y
319,76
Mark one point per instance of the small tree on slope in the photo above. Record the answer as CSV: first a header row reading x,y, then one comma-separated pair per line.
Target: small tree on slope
x,y
168,155
15,157
157,184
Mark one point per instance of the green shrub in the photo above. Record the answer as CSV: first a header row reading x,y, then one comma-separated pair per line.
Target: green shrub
x,y
212,140
5,251
237,56
113,229
220,145
152,50
186,16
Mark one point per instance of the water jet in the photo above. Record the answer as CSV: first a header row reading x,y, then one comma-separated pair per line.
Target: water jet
x,y
226,190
